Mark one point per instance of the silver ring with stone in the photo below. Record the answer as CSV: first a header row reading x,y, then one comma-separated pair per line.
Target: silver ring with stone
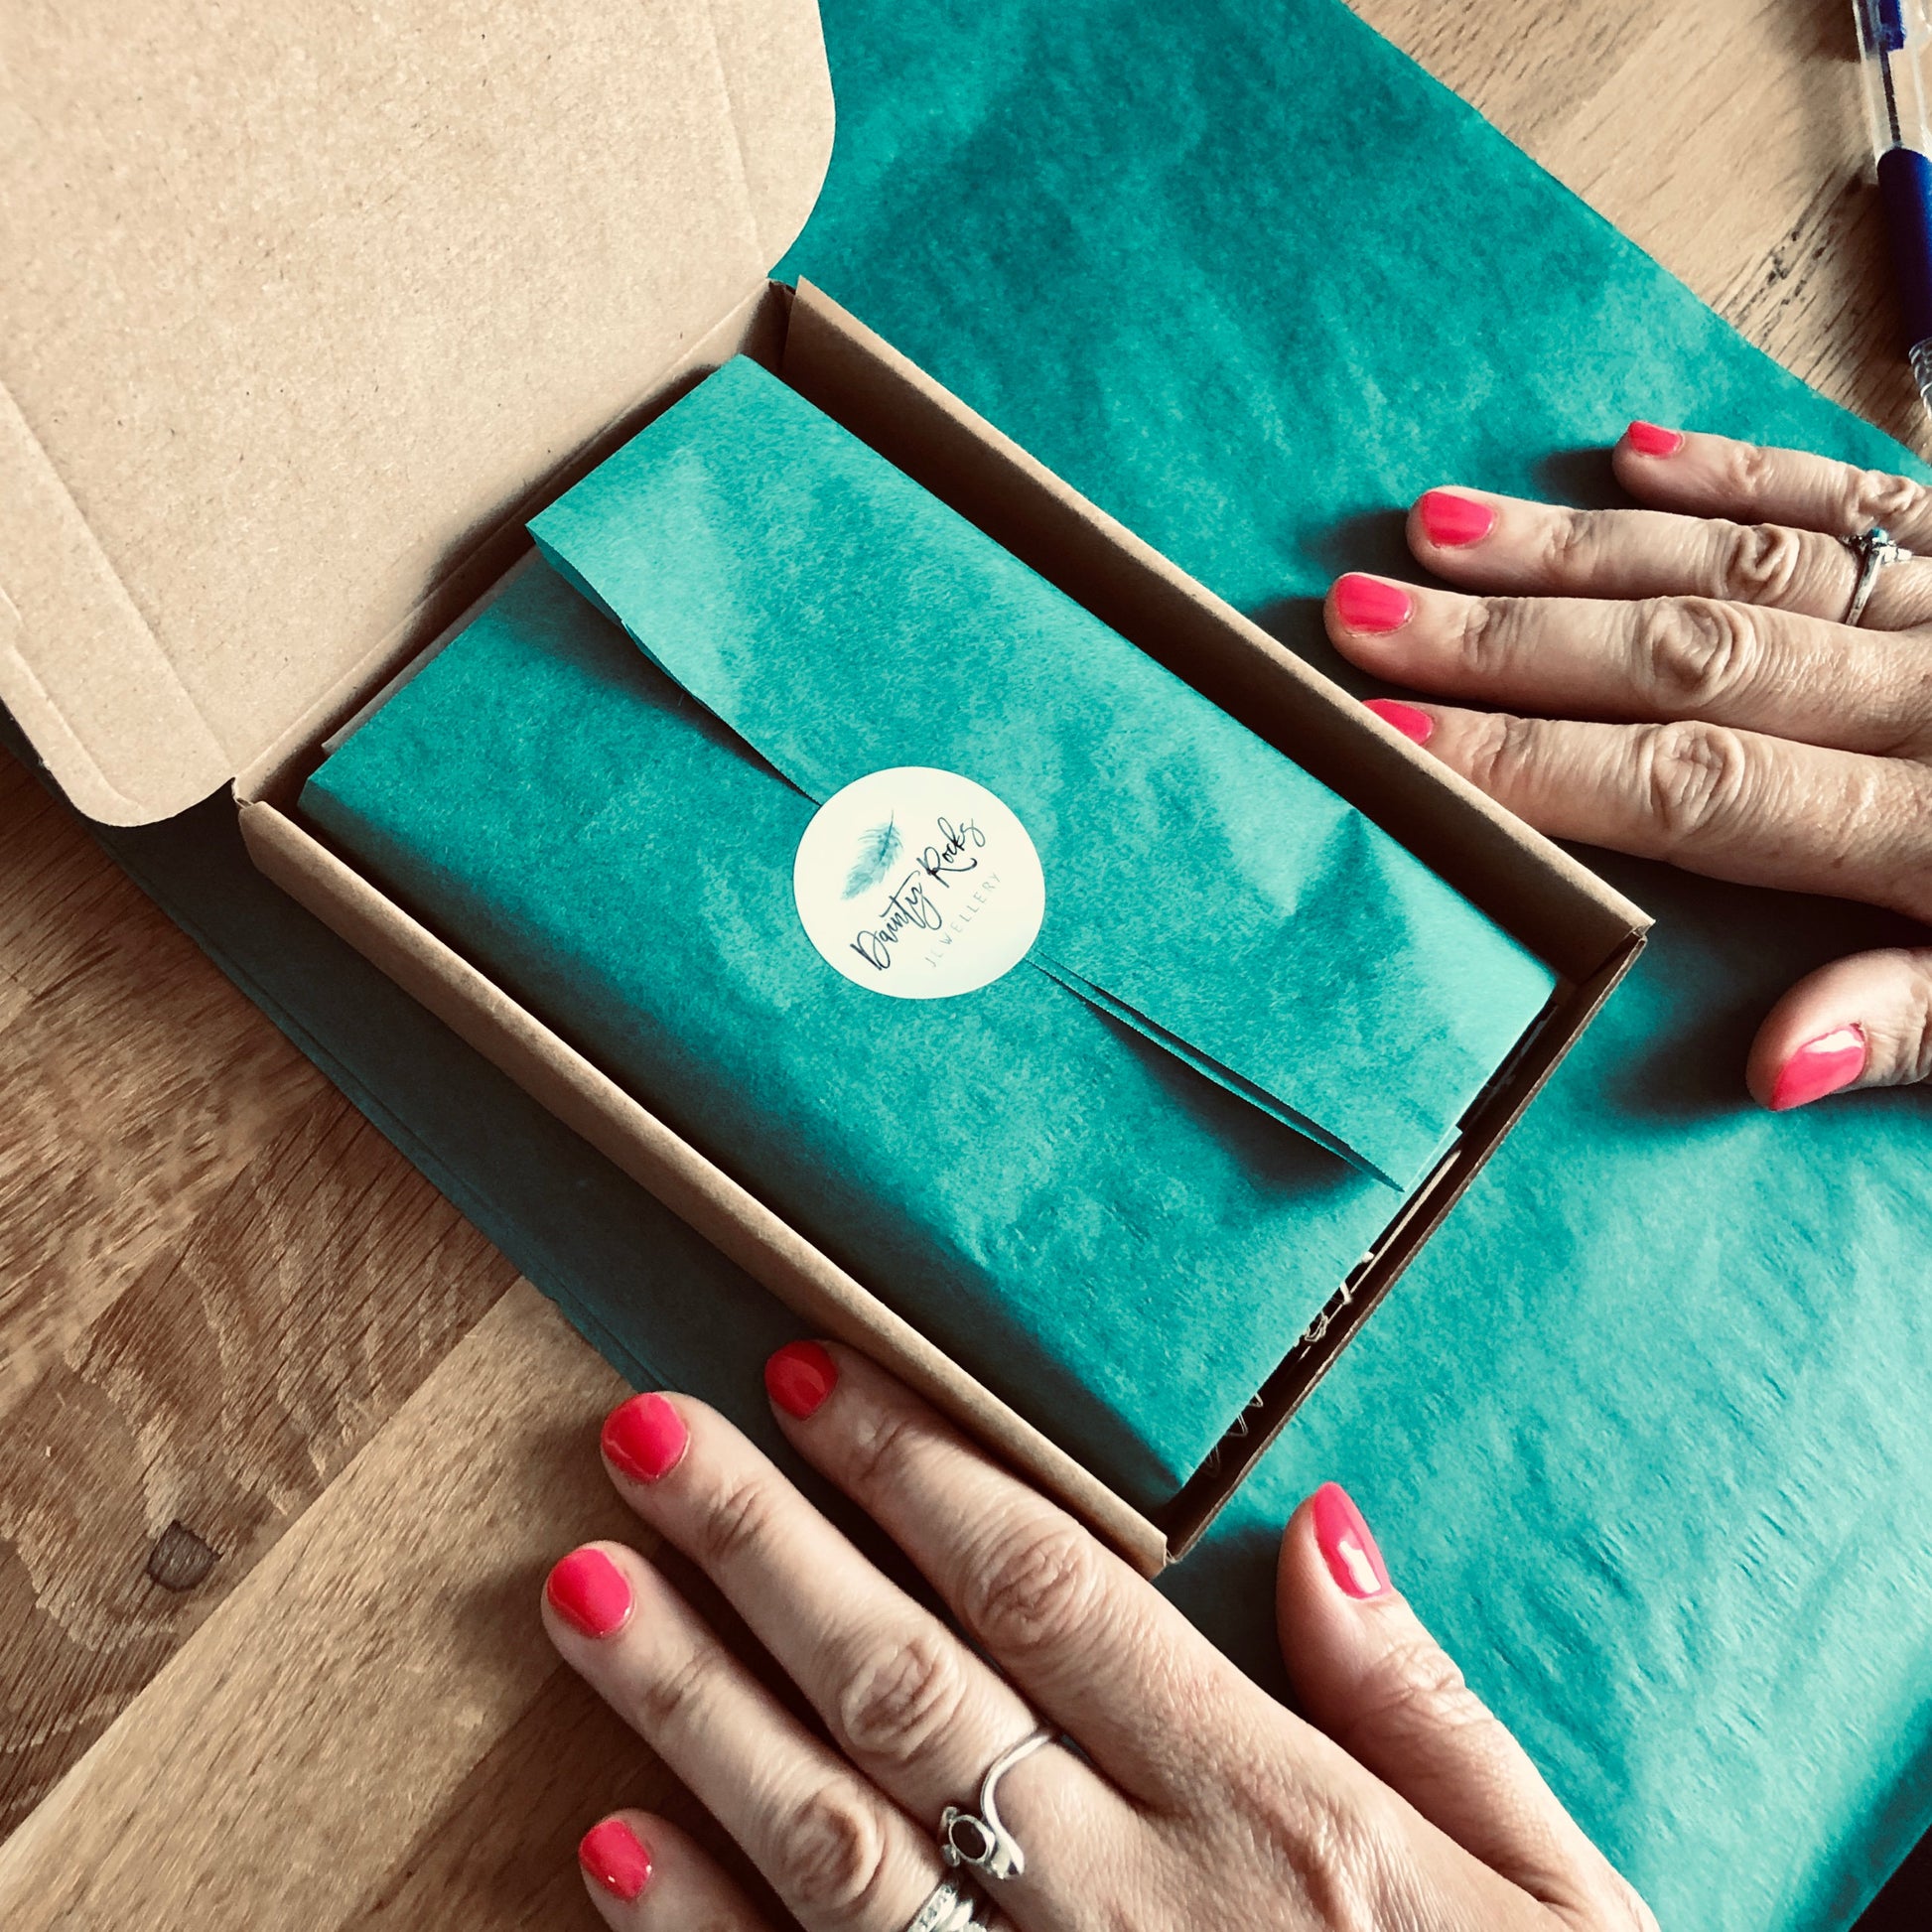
x,y
977,1840
951,1907
1874,550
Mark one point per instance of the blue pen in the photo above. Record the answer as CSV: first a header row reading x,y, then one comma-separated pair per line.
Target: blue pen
x,y
1894,37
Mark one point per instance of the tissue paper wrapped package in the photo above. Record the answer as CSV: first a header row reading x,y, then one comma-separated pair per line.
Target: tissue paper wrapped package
x,y
1116,1181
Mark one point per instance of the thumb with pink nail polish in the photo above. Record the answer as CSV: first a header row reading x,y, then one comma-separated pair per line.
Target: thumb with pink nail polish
x,y
1862,1022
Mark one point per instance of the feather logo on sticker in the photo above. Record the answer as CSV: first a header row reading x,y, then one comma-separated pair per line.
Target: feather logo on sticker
x,y
878,848
918,884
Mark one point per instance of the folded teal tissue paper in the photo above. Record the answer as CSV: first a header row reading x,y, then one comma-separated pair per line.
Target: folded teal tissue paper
x,y
1045,1185
1202,887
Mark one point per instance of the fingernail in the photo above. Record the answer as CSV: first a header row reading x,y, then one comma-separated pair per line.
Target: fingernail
x,y
615,1858
1820,1066
1346,1546
588,1591
1651,438
1372,603
1454,520
1410,722
799,1377
645,1437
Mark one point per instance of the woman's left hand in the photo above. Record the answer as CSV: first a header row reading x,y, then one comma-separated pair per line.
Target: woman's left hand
x,y
1689,681
1194,1801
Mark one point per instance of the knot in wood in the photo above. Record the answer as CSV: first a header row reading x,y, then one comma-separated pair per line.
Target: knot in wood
x,y
180,1558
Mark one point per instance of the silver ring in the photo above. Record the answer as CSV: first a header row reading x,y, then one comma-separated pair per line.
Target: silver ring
x,y
951,1907
977,1840
1873,550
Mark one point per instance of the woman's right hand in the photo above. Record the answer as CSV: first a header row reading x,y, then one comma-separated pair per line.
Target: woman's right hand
x,y
1681,685
1194,1801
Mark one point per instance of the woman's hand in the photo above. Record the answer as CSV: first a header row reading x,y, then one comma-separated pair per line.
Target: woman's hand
x,y
1745,732
1196,1802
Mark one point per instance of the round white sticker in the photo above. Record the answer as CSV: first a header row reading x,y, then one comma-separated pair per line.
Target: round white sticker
x,y
918,884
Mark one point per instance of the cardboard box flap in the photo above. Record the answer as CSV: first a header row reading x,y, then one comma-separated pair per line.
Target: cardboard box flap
x,y
298,308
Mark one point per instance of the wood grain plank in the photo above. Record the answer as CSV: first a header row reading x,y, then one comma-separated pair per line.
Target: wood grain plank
x,y
59,906
499,1855
333,1708
14,996
216,1282
1730,168
138,1083
1822,302
206,1409
497,1852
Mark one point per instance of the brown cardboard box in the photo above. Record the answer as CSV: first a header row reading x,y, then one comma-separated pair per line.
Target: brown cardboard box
x,y
306,327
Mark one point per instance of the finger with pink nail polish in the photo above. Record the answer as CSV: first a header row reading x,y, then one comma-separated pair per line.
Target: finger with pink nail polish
x,y
1860,1022
1452,520
1371,604
1409,720
1827,1064
645,1873
590,1592
1653,438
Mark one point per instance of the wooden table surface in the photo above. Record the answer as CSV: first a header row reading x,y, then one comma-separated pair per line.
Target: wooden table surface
x,y
287,1449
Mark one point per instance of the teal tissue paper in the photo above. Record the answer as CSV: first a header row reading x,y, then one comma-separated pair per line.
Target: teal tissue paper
x,y
1120,1246
1200,887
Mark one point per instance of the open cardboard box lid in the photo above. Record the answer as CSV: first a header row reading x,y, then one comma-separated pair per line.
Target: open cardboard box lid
x,y
298,308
